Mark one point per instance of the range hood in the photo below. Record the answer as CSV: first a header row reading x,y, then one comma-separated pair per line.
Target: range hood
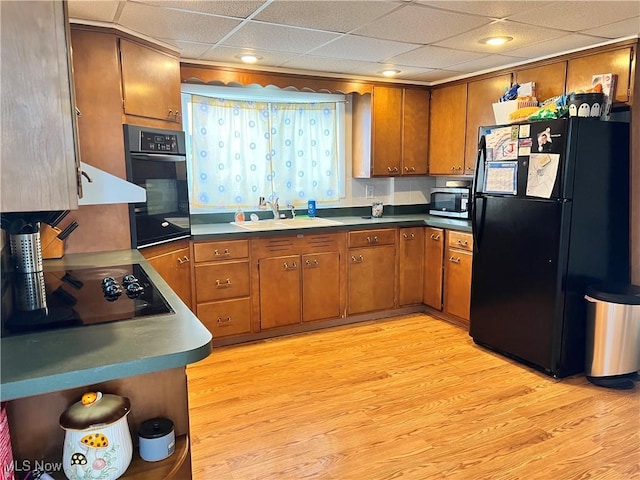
x,y
104,188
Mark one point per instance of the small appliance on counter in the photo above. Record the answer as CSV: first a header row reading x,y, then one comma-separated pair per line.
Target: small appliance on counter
x,y
97,442
452,200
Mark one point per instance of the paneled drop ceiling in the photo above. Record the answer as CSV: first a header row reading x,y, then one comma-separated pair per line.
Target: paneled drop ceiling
x,y
428,41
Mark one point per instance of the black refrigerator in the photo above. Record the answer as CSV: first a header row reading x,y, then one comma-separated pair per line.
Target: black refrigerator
x,y
550,216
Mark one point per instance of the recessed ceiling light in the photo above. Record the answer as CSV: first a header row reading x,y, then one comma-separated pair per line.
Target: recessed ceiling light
x,y
494,41
390,72
249,58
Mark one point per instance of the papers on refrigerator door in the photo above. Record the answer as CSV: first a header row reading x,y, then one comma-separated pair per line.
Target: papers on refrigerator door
x,y
502,144
501,177
541,177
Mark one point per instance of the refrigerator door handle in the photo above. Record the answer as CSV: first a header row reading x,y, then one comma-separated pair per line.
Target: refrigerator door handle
x,y
482,153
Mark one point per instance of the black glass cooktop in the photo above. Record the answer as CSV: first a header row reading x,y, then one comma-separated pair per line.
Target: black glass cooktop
x,y
79,297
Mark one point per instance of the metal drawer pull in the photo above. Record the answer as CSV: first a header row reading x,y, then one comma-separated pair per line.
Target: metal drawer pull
x,y
435,236
454,259
372,240
218,254
359,259
311,264
224,284
409,169
463,243
293,266
182,260
224,321
409,237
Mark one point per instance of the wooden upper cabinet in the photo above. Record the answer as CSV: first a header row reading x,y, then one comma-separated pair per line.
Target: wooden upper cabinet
x,y
415,131
481,95
150,82
39,154
447,130
550,79
386,129
581,70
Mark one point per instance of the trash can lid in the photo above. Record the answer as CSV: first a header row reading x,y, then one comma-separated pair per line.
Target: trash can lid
x,y
615,293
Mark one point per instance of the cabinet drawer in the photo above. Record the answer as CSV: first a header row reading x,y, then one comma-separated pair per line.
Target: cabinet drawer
x,y
229,250
222,281
460,240
370,238
230,317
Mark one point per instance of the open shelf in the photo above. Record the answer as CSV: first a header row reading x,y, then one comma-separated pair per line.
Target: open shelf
x,y
166,469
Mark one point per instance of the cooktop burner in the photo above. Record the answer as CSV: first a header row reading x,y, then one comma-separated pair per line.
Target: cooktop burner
x,y
79,297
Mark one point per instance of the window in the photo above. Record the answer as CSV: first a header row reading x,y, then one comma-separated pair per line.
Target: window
x,y
250,142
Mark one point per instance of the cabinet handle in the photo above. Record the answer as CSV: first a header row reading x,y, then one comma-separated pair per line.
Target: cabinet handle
x,y
454,259
409,237
223,254
372,240
392,169
170,113
176,115
453,168
464,243
224,321
459,167
358,259
182,260
293,266
435,236
311,264
409,169
225,284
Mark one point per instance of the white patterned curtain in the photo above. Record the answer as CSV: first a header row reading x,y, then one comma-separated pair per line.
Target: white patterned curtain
x,y
242,150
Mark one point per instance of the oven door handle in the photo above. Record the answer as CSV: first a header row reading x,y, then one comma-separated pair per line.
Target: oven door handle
x,y
159,157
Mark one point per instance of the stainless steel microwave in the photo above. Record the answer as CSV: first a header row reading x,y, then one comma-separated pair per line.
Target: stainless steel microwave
x,y
449,202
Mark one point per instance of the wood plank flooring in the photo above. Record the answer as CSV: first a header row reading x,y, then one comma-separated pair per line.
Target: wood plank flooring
x,y
411,397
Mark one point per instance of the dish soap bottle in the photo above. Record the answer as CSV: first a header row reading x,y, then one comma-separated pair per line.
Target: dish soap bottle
x,y
239,216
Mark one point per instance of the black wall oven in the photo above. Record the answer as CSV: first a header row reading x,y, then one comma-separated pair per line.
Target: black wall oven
x,y
156,161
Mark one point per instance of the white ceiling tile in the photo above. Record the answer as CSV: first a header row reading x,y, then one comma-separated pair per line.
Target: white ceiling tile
x,y
434,75
173,24
188,50
500,9
96,11
360,48
235,8
486,63
231,54
278,38
617,29
576,16
420,24
336,16
324,64
522,35
434,57
555,46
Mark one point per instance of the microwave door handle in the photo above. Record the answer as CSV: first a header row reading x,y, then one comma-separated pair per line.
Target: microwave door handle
x,y
482,154
160,157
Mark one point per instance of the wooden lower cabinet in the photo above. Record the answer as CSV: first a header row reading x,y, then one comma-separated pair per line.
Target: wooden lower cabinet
x,y
371,271
320,286
222,288
433,254
173,262
457,275
411,266
280,300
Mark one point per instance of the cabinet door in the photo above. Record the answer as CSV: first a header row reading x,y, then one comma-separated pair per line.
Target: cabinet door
x,y
481,95
415,131
174,267
386,130
150,82
38,152
457,279
433,252
280,299
550,79
411,266
447,129
320,286
371,279
581,70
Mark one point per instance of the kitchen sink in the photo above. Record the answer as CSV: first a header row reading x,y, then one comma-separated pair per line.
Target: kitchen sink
x,y
286,224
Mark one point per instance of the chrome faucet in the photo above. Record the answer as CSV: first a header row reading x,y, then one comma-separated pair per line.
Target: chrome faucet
x,y
293,209
262,203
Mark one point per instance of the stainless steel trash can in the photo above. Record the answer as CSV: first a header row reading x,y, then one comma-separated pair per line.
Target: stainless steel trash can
x,y
613,335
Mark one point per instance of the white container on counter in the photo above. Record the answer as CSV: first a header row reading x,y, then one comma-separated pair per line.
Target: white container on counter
x,y
157,439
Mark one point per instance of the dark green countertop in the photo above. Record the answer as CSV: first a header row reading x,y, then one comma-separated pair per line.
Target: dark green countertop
x,y
55,360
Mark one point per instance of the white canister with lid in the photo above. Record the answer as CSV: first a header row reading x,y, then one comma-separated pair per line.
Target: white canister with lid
x,y
157,439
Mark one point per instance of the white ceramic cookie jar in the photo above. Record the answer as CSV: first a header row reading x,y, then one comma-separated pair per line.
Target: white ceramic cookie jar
x,y
97,443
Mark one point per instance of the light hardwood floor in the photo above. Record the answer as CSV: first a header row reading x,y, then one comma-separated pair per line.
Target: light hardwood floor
x,y
411,397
